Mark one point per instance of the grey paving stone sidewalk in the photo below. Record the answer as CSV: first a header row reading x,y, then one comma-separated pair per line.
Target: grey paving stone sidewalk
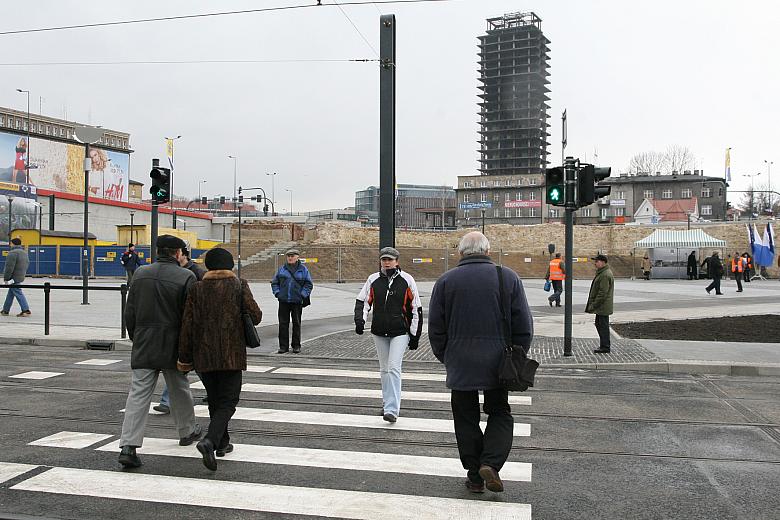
x,y
546,350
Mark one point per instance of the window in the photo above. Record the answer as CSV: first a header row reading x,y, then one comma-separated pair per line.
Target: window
x,y
620,212
496,197
720,192
508,182
532,195
532,181
621,195
519,212
553,213
465,213
531,212
648,194
467,184
706,192
483,184
497,213
706,210
507,212
465,197
507,196
604,212
519,195
685,193
483,197
666,194
585,212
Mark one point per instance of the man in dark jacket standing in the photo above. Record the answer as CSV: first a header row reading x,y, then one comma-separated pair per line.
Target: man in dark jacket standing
x,y
292,286
130,261
600,301
715,271
16,264
467,335
155,305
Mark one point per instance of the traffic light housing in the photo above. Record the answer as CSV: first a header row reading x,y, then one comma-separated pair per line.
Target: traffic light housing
x,y
222,201
554,186
204,201
265,210
588,179
161,184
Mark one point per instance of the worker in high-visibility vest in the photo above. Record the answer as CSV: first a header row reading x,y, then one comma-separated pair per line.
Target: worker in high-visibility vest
x,y
556,273
748,260
738,268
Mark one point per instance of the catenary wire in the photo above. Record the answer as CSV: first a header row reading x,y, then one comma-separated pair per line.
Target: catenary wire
x,y
184,62
356,27
207,15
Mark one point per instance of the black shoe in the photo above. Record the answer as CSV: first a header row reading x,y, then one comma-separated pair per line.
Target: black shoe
x,y
206,448
718,294
162,408
4,313
550,302
708,290
128,458
221,452
557,304
739,290
296,350
194,436
601,350
389,417
475,487
491,478
283,351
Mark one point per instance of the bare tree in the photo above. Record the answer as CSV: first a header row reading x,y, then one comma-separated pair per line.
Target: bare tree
x,y
749,203
678,158
646,162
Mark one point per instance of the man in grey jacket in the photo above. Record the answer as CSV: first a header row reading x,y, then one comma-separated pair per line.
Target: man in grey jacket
x,y
16,264
155,305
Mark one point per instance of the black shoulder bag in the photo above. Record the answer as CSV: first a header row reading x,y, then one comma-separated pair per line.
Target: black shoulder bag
x,y
516,372
251,337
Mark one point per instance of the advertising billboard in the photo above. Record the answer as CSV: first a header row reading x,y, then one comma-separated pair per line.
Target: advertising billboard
x,y
59,166
19,202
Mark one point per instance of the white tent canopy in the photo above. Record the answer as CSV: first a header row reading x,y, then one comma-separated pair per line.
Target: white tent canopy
x,y
688,239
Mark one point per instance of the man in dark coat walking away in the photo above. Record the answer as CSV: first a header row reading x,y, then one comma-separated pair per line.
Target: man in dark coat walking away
x,y
153,314
292,286
715,271
130,261
600,301
16,264
693,266
467,335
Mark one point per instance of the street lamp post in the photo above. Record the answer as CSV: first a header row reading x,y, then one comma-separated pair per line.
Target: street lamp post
x,y
273,195
291,205
27,162
235,169
87,135
199,184
239,240
753,194
169,141
10,215
132,228
768,180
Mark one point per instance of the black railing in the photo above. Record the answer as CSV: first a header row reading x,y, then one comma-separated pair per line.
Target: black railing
x,y
47,288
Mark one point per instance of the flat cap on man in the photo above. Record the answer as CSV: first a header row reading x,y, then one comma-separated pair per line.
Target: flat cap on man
x,y
170,242
389,252
603,258
292,251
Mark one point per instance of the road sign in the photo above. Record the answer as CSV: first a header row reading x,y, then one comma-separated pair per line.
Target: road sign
x,y
475,205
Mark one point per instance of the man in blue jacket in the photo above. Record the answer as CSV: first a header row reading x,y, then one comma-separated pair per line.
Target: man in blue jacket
x,y
292,286
467,334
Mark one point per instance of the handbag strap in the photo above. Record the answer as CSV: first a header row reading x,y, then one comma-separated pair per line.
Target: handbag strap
x,y
501,296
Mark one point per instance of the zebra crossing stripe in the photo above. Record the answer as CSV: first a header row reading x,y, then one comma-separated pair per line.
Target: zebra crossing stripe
x,y
259,368
35,374
11,470
353,392
76,440
349,420
268,498
98,362
365,374
336,459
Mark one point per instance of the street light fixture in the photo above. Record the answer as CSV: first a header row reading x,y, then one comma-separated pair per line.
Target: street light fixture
x,y
87,135
10,215
199,184
235,168
27,162
169,141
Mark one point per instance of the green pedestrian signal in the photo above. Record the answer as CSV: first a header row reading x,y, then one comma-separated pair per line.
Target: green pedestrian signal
x,y
554,186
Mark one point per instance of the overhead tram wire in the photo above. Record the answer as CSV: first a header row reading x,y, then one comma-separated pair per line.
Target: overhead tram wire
x,y
185,62
356,27
207,15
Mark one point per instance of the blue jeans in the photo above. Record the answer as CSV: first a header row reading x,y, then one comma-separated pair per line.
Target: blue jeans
x,y
15,292
165,398
390,352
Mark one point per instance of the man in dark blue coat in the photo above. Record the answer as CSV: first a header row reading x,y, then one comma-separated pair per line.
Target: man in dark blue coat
x,y
292,286
467,335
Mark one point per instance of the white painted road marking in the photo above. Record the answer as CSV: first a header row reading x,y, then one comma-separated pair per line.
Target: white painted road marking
x,y
349,420
10,470
98,362
352,460
265,497
76,440
368,374
258,368
152,411
36,375
354,392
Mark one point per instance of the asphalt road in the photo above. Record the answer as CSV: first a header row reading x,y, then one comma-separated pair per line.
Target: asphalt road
x,y
601,445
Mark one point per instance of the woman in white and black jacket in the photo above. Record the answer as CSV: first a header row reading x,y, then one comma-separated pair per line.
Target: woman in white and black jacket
x,y
396,323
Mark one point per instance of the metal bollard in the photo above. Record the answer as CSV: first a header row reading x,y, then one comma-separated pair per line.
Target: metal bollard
x,y
46,301
123,292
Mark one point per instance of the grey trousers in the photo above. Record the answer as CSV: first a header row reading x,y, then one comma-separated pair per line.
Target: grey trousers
x,y
140,398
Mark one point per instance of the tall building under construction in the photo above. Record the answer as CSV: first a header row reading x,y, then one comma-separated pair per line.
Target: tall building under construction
x,y
513,68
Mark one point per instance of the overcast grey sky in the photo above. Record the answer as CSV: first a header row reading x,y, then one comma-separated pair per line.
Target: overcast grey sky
x,y
633,76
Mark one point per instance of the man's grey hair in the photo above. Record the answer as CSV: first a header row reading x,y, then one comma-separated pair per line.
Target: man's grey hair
x,y
474,243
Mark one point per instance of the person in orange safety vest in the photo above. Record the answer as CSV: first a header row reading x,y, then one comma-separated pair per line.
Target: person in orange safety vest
x,y
556,273
738,268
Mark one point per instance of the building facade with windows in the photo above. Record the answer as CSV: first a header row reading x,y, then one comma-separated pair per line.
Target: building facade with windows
x,y
513,66
630,191
417,206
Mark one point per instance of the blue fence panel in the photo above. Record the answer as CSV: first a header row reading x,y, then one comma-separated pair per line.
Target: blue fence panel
x,y
108,261
70,260
197,253
43,260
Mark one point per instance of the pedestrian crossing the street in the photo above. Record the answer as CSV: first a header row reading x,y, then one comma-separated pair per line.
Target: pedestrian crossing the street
x,y
377,471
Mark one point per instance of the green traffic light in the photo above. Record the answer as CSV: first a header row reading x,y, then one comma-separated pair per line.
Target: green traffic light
x,y
555,195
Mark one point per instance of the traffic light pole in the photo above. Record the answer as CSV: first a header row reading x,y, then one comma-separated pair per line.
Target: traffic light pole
x,y
85,251
387,131
570,169
153,245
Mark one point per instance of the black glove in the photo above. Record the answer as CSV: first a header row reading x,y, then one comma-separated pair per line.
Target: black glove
x,y
359,324
414,342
